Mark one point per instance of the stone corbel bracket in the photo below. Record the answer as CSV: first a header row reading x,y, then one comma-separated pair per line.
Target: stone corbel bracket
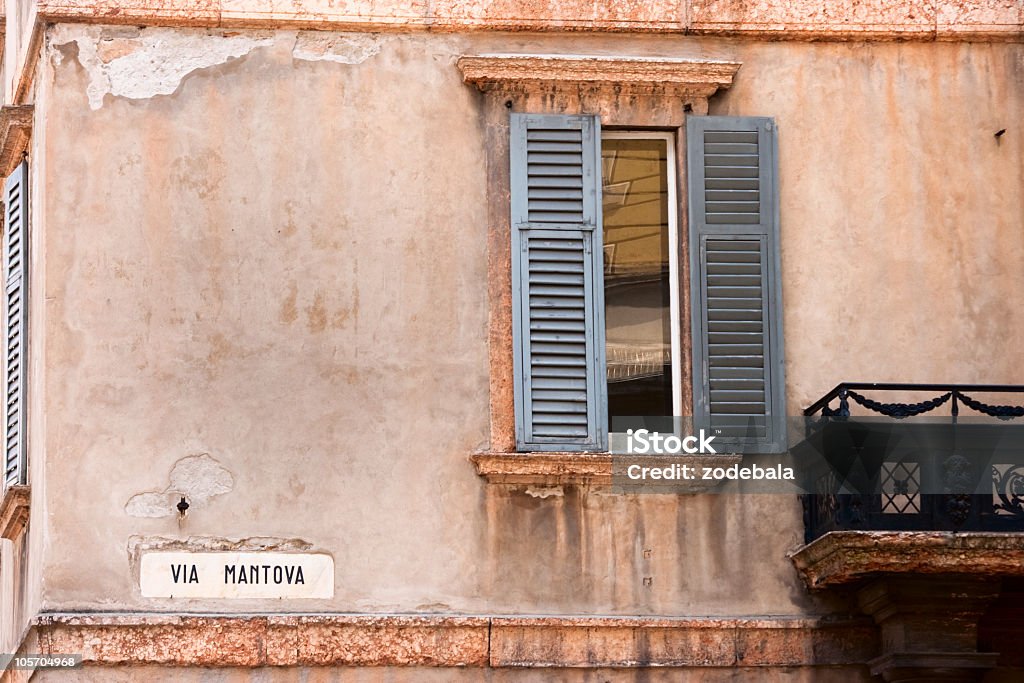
x,y
15,133
694,80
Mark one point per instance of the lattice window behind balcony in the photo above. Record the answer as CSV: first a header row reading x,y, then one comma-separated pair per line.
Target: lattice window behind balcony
x,y
901,488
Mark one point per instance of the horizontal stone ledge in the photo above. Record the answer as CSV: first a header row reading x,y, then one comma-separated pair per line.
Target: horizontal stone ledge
x,y
847,557
265,640
661,642
798,20
453,641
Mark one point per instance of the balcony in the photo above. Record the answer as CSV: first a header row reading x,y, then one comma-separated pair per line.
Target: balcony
x,y
965,476
918,508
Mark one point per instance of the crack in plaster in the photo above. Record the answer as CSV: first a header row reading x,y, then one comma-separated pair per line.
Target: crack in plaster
x,y
140,63
197,477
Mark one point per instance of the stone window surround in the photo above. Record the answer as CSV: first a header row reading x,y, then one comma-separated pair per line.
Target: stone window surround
x,y
633,93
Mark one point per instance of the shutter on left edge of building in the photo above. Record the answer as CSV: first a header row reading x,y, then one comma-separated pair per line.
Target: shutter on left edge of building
x,y
15,248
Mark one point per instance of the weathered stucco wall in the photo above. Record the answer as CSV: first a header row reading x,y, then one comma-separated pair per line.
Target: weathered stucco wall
x,y
270,248
901,209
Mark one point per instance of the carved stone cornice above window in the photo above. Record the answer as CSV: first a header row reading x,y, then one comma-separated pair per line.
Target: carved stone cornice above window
x,y
689,79
15,133
14,512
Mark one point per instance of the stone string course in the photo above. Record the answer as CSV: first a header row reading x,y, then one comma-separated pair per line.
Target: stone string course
x,y
107,639
793,19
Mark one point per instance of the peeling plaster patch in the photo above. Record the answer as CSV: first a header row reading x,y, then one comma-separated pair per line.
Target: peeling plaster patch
x,y
140,544
314,46
543,492
150,62
197,477
150,504
200,477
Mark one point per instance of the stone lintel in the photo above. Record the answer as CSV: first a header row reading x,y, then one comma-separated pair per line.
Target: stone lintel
x,y
107,639
15,133
14,511
679,77
847,557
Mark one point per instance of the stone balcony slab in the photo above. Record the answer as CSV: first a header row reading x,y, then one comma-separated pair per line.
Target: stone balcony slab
x,y
847,557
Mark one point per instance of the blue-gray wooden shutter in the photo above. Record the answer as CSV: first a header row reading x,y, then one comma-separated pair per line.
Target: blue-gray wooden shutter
x,y
739,380
16,272
557,276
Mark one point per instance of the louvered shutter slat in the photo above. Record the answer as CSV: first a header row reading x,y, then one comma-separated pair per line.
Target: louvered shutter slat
x,y
558,318
739,389
15,269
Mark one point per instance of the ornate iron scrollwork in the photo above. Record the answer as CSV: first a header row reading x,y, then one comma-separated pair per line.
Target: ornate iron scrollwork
x,y
1009,489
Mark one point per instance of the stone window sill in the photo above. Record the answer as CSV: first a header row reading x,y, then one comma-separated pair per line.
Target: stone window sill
x,y
560,468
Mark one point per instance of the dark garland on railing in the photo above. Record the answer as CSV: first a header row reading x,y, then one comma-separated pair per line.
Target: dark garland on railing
x,y
1004,412
900,410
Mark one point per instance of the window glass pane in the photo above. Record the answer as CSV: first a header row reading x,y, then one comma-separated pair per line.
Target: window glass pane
x,y
637,277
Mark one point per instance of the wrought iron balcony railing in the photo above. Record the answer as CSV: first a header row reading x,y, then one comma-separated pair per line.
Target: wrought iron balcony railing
x,y
949,462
